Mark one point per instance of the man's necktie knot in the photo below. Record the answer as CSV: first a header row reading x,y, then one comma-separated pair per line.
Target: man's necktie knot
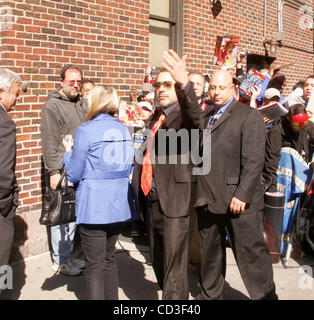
x,y
214,118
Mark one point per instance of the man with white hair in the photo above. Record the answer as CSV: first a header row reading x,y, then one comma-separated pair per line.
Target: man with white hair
x,y
10,84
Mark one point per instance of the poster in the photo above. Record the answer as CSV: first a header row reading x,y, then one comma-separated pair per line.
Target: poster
x,y
253,79
226,51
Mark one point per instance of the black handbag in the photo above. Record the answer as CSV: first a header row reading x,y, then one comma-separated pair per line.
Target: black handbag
x,y
58,205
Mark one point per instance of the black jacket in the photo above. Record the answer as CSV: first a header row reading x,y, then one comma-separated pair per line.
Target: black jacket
x,y
236,155
281,135
8,185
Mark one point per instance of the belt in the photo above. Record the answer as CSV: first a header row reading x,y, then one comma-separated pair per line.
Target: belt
x,y
202,209
153,196
106,175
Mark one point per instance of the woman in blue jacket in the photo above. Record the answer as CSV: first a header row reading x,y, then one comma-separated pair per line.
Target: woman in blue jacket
x,y
101,162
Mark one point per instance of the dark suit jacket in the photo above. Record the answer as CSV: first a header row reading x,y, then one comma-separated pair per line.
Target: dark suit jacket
x,y
174,182
237,158
8,185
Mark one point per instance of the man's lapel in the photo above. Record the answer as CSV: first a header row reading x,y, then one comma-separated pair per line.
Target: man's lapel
x,y
224,116
207,114
171,117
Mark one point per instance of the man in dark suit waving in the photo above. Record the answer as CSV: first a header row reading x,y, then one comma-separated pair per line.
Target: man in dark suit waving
x,y
10,84
229,199
164,189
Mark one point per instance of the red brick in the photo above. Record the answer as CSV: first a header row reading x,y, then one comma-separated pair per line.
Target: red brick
x,y
23,137
30,201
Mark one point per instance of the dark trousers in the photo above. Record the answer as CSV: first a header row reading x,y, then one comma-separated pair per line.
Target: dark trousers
x,y
245,232
6,237
101,274
169,248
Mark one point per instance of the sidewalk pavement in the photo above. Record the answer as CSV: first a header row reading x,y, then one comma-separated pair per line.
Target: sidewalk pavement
x,y
33,278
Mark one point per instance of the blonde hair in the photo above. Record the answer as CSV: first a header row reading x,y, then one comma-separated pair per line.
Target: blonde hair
x,y
102,99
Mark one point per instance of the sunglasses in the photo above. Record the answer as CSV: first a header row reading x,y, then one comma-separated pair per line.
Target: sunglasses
x,y
71,83
166,84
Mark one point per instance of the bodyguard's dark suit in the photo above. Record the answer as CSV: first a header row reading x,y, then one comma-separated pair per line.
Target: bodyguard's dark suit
x,y
169,208
237,159
8,186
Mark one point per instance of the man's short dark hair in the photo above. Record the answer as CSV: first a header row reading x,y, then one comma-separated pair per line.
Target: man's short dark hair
x,y
161,71
296,109
69,67
309,77
299,84
87,81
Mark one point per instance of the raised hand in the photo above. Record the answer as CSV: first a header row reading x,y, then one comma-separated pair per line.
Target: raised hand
x,y
176,66
256,91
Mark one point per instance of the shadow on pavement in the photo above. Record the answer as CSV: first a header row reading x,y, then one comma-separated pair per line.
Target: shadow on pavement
x,y
132,278
74,284
131,271
233,294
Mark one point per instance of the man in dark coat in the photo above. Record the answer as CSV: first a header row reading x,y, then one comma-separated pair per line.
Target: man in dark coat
x,y
10,84
167,202
293,131
230,197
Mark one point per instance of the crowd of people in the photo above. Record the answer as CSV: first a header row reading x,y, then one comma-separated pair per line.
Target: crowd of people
x,y
227,200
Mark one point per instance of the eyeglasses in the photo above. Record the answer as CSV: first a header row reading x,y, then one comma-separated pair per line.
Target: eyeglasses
x,y
166,84
197,84
72,82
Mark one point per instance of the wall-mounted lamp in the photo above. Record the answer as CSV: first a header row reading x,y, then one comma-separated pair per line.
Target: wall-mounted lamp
x,y
212,2
272,46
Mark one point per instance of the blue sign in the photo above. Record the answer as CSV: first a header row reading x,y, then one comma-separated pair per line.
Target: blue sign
x,y
293,179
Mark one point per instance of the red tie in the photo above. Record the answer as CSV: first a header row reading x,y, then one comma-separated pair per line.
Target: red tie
x,y
147,168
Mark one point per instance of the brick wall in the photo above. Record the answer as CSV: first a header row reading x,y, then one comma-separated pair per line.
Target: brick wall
x,y
246,20
109,40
